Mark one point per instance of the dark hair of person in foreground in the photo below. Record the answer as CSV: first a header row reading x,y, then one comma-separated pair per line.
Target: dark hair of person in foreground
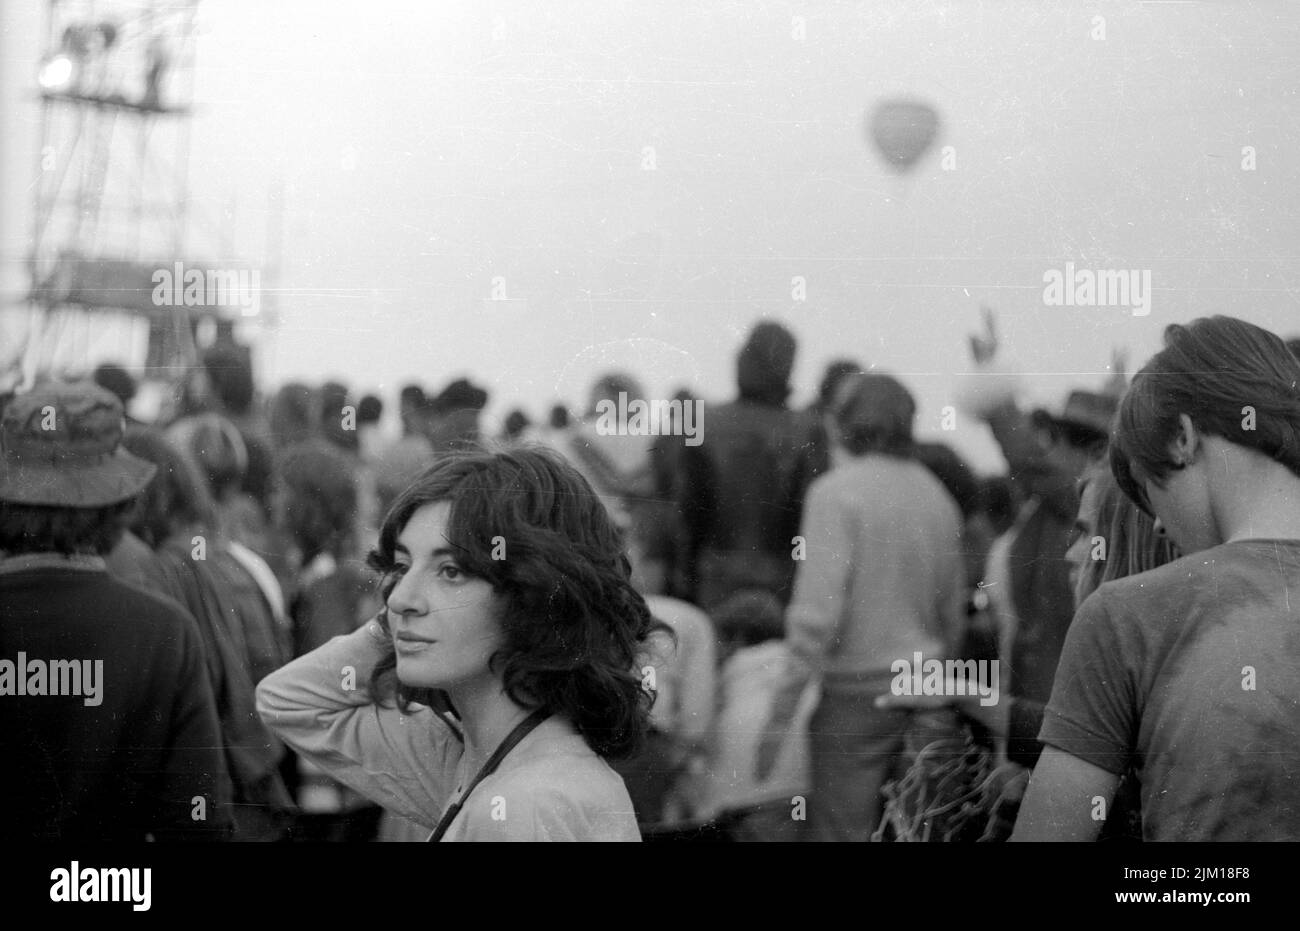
x,y
573,625
1233,379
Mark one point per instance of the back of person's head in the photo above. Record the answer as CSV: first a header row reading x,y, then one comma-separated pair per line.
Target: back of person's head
x,y
874,414
335,425
333,395
1234,380
747,618
1132,544
176,499
369,410
410,398
1294,345
952,472
995,498
117,380
230,377
452,421
558,418
516,423
66,530
317,483
765,362
292,418
573,625
216,447
835,373
609,386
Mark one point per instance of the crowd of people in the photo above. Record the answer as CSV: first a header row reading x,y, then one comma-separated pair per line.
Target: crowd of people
x,y
312,630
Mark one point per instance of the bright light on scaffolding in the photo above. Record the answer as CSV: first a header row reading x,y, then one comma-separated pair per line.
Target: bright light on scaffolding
x,y
57,72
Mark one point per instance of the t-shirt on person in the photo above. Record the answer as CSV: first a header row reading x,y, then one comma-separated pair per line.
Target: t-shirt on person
x,y
550,787
1192,673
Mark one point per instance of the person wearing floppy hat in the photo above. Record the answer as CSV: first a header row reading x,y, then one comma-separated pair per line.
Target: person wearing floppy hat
x,y
62,448
129,760
1083,422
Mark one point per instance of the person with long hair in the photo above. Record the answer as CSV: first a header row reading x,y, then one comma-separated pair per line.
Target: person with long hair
x,y
1189,673
1112,538
485,700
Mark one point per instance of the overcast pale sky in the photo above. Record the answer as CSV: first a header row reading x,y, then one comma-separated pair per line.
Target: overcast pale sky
x,y
427,148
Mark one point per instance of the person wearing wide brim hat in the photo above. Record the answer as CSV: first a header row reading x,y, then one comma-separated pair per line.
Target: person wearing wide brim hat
x,y
61,446
1084,419
119,763
461,394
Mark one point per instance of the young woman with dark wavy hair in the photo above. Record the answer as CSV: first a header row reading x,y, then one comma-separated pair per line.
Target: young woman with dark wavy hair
x,y
486,698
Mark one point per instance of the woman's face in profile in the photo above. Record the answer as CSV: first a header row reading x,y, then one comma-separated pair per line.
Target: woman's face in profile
x,y
443,621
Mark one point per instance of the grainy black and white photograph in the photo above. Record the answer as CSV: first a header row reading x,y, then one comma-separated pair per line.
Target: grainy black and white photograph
x,y
677,422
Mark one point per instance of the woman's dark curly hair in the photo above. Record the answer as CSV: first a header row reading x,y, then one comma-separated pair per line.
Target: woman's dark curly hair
x,y
573,625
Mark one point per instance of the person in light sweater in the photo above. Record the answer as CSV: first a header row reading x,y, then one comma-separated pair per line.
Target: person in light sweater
x,y
485,700
880,580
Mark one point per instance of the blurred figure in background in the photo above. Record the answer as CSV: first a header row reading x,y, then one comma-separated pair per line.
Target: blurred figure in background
x,y
754,664
370,412
558,421
241,640
740,504
215,447
952,472
992,514
455,416
410,402
818,448
1028,578
316,506
332,594
233,392
515,427
679,665
338,417
370,415
114,378
882,581
398,465
662,533
292,416
616,464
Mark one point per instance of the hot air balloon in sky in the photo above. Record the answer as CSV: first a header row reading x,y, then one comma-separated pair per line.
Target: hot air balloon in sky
x,y
903,128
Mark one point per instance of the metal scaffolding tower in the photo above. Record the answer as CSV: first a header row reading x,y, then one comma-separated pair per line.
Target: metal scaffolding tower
x,y
116,84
